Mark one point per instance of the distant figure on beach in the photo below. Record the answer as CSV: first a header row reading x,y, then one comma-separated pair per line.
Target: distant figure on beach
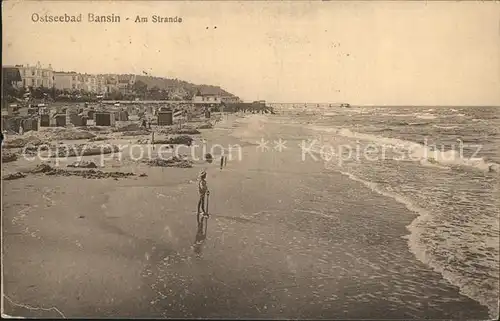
x,y
222,156
202,190
143,123
21,127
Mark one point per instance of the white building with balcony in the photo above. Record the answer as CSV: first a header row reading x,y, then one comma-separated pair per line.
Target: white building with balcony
x,y
35,76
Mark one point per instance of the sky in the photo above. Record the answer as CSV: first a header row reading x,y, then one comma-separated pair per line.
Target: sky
x,y
364,53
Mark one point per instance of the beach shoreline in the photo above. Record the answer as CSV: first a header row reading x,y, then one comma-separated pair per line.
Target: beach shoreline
x,y
299,247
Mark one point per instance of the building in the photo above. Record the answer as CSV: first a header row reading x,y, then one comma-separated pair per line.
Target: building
x,y
110,83
67,81
125,83
89,83
230,99
101,85
35,76
206,99
97,84
11,76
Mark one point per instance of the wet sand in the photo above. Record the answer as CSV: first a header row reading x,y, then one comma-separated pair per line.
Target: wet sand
x,y
286,239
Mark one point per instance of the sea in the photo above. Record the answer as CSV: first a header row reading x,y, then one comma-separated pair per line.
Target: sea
x,y
440,162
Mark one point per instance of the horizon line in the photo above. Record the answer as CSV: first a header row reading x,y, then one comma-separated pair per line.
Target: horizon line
x,y
379,105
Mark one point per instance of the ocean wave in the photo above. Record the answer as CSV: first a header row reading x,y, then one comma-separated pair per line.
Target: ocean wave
x,y
445,127
425,116
419,152
430,163
480,291
395,115
403,123
454,115
419,124
396,123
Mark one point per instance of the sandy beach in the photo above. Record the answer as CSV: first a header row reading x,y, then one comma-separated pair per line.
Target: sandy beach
x,y
286,239
350,148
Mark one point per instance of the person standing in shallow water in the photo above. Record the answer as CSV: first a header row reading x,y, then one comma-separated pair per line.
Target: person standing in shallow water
x,y
202,190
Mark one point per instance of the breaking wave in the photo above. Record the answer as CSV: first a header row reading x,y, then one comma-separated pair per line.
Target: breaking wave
x,y
478,289
419,152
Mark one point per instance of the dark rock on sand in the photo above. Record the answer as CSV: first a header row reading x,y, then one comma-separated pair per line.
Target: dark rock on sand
x,y
204,126
8,157
96,174
42,168
33,150
83,165
208,157
98,138
85,150
187,130
91,173
127,128
173,161
23,141
73,135
176,140
101,130
136,133
10,177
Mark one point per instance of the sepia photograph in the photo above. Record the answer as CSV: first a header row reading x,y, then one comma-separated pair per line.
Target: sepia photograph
x,y
250,160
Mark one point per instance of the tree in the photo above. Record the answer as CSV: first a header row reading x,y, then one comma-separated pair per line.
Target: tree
x,y
163,94
116,95
41,92
155,93
21,91
10,77
140,88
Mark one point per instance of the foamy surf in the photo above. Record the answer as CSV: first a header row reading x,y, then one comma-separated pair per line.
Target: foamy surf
x,y
466,284
456,231
444,127
418,152
425,116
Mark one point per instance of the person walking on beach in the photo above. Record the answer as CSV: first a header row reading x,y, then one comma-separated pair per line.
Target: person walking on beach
x,y
21,127
222,157
202,190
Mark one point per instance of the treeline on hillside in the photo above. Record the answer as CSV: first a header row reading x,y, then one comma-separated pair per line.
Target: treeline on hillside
x,y
169,84
145,88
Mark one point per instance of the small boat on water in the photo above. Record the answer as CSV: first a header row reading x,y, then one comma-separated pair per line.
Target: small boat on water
x,y
345,105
